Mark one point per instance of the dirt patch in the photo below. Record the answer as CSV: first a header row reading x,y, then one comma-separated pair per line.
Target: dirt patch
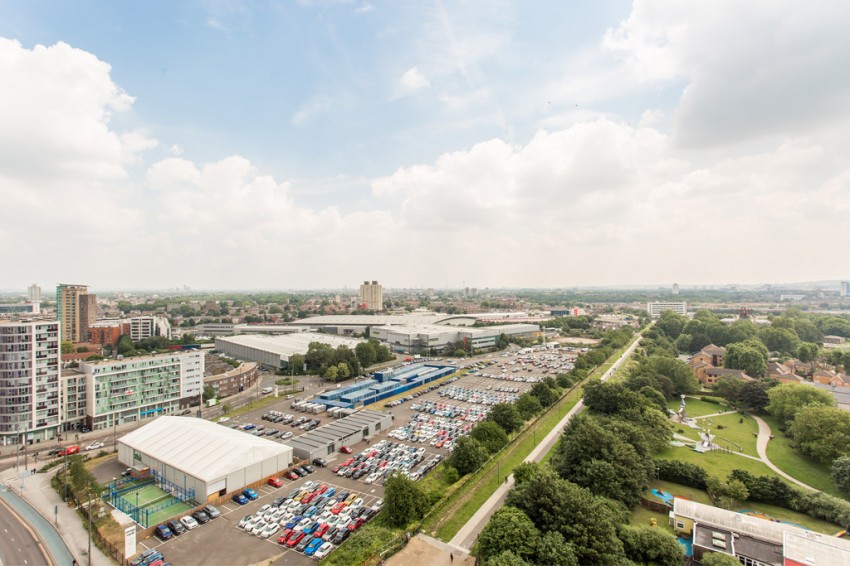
x,y
424,551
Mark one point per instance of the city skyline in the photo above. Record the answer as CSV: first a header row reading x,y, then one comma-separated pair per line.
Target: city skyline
x,y
322,143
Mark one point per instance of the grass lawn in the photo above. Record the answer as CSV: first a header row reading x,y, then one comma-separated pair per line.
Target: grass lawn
x,y
717,464
735,435
807,470
641,515
696,407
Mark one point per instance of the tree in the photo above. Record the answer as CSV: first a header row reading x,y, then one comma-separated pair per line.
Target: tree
x,y
544,394
125,306
746,356
209,392
507,558
403,500
821,432
525,471
527,406
728,492
780,339
125,344
296,364
366,354
468,455
671,324
491,436
807,352
590,525
609,398
506,416
553,550
719,559
226,408
508,529
753,395
342,371
646,545
788,398
596,457
676,371
841,473
332,373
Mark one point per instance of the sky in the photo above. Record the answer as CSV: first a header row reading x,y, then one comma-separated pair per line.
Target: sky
x,y
229,144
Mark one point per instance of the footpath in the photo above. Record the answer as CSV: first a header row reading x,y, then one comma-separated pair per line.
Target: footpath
x,y
59,527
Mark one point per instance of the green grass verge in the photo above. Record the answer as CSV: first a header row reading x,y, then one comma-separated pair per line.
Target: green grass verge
x,y
786,458
462,504
371,539
257,404
718,464
696,407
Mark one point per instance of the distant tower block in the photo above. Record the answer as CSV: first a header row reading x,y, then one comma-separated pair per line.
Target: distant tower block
x,y
845,289
371,296
675,288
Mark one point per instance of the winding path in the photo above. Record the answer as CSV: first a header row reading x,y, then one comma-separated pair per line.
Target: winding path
x,y
761,446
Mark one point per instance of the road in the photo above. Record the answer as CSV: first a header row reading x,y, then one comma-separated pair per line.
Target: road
x,y
465,537
18,544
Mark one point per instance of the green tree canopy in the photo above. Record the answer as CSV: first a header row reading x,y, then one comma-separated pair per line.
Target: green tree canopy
x,y
544,394
750,356
527,406
596,457
719,559
753,394
788,398
508,529
676,371
505,415
403,500
468,455
783,340
491,436
821,432
591,525
507,558
807,352
125,344
554,550
841,473
647,545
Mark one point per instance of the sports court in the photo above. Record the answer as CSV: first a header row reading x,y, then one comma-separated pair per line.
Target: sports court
x,y
149,500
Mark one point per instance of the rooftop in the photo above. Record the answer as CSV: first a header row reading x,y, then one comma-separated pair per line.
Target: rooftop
x,y
286,345
199,448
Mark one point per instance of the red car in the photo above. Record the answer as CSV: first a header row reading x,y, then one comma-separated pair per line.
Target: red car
x,y
345,450
355,524
276,482
321,489
347,462
294,538
308,498
291,476
338,507
336,468
286,534
323,528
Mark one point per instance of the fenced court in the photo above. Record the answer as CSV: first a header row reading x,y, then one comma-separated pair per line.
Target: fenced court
x,y
149,499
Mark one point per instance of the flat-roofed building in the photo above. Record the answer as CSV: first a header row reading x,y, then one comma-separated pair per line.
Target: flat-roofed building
x,y
371,296
274,351
655,309
349,430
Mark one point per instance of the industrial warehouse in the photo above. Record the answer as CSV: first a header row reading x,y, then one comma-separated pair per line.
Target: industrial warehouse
x,y
387,383
430,338
274,351
203,458
347,431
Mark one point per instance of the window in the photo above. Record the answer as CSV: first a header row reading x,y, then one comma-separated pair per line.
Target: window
x,y
680,524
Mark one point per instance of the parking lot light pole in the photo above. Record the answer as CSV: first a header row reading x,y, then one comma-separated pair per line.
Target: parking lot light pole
x,y
89,514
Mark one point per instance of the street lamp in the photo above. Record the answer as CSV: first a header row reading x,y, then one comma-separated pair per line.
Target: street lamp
x,y
89,514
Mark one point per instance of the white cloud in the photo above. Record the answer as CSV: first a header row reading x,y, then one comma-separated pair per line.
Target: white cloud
x,y
412,81
365,8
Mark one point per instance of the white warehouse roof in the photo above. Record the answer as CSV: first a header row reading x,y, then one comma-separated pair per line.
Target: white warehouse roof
x,y
287,344
199,448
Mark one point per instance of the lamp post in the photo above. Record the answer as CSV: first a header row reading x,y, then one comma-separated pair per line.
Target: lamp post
x,y
89,514
18,451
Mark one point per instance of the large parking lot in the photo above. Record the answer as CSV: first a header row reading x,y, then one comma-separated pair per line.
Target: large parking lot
x,y
432,419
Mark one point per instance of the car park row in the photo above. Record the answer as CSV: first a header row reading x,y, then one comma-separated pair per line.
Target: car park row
x,y
312,519
379,461
477,396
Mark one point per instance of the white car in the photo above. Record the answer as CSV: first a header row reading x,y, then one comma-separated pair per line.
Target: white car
x,y
270,529
258,528
376,506
245,520
262,510
189,522
323,551
303,524
95,445
310,485
344,522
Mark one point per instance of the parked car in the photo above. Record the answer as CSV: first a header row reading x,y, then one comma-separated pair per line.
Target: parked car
x,y
201,517
275,482
244,521
250,493
240,499
323,550
344,449
313,546
176,527
189,522
294,539
142,557
163,532
321,462
212,511
290,475
95,445
301,546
